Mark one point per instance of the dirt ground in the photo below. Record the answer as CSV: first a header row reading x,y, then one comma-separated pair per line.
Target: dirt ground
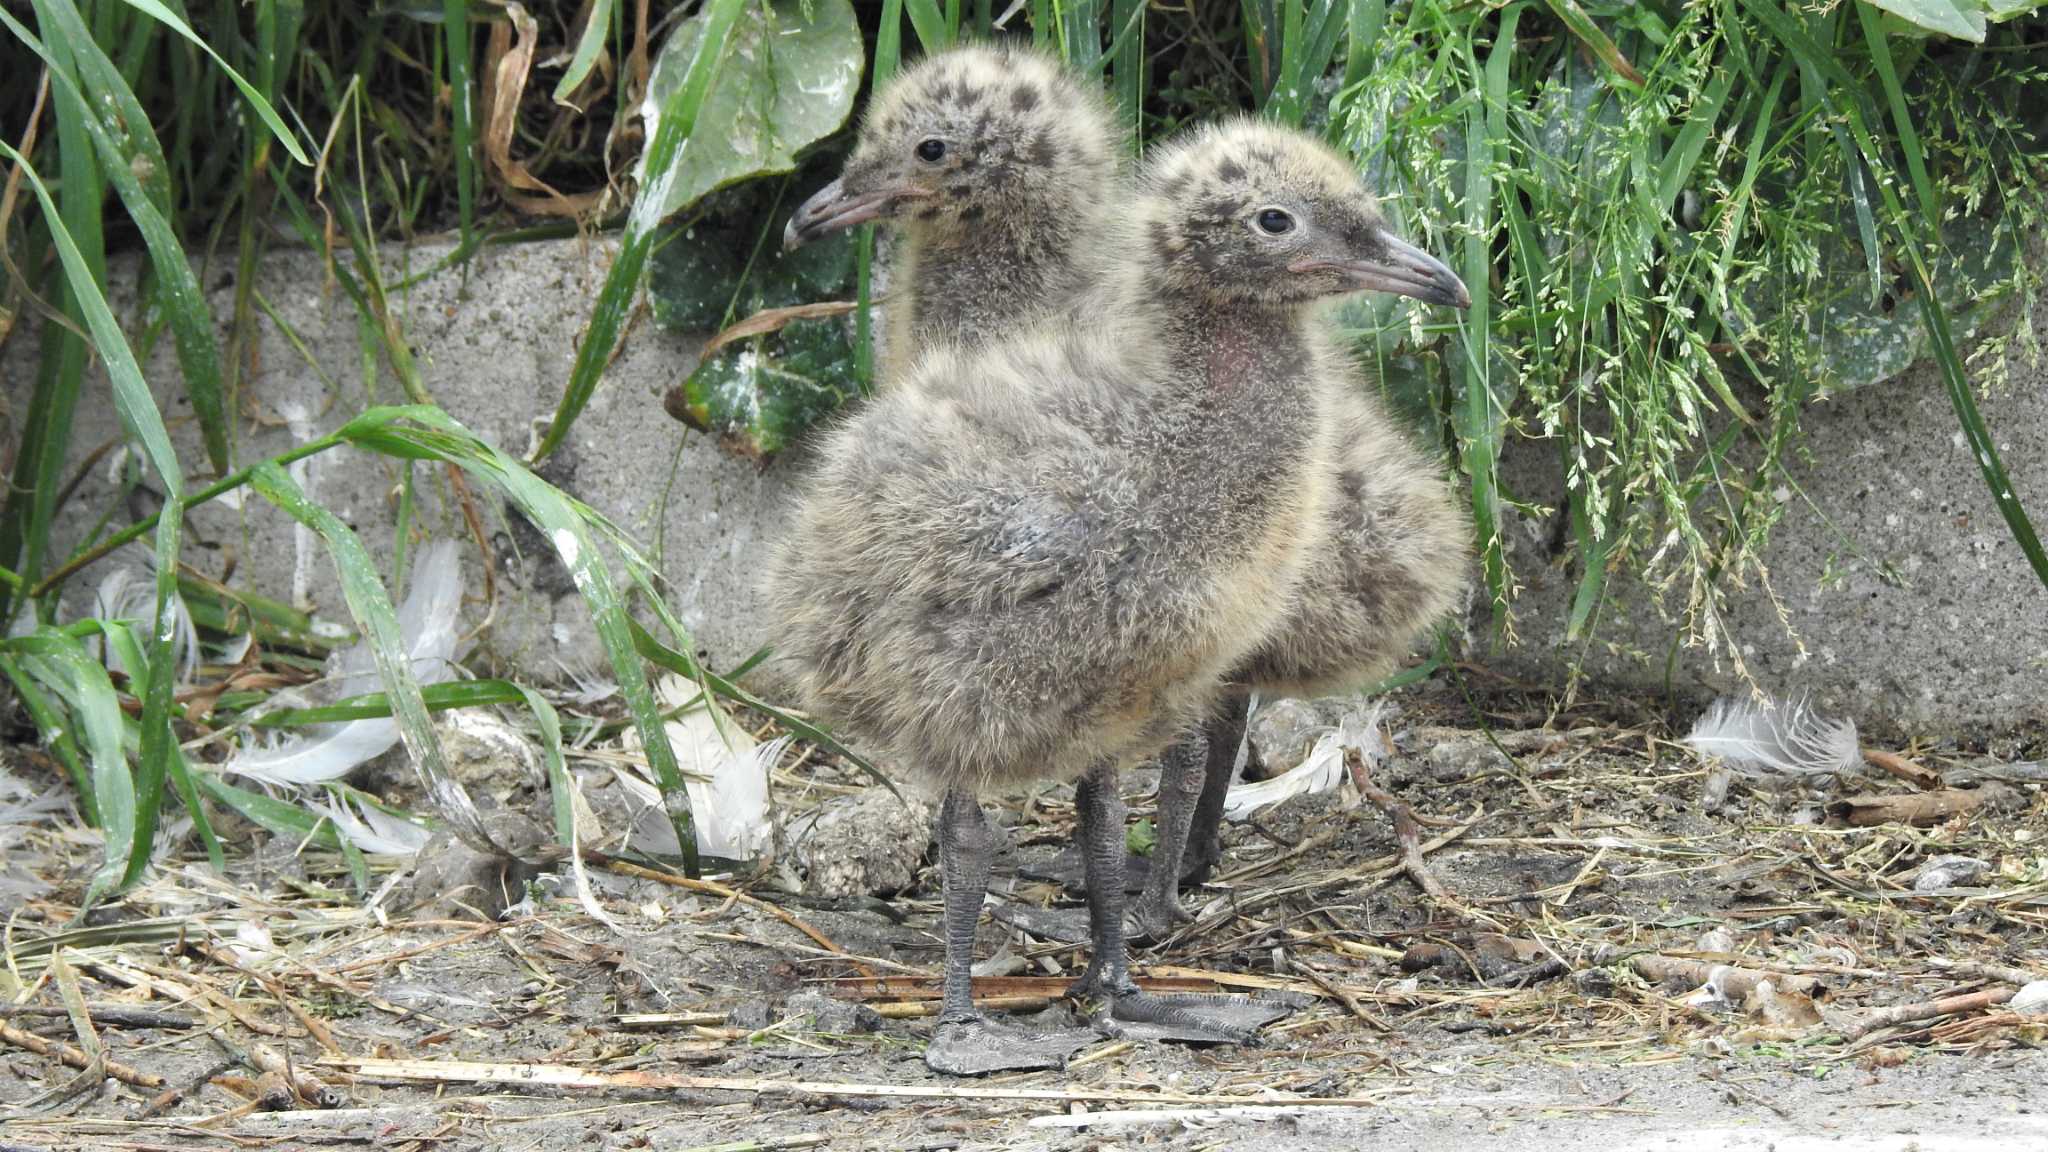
x,y
1564,988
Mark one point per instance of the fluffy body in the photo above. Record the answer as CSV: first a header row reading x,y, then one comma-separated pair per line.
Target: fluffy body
x,y
1026,561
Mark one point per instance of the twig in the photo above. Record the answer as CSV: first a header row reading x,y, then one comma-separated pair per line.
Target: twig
x,y
66,1054
1983,971
716,889
169,1097
1407,833
566,1076
1917,808
772,1144
1734,981
111,1015
1343,997
1927,1010
1925,779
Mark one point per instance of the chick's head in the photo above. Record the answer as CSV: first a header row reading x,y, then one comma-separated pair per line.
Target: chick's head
x,y
1254,214
970,138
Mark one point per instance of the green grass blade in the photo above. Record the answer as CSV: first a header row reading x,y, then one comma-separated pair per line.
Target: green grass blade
x,y
371,607
133,162
62,665
1127,63
1484,414
560,787
188,794
278,817
137,409
262,106
1596,41
455,26
371,705
1955,378
131,396
1368,20
933,34
49,720
587,48
1902,120
677,121
428,433
1262,42
1081,20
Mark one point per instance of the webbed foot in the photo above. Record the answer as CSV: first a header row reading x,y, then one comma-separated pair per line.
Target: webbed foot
x,y
977,1046
1190,1017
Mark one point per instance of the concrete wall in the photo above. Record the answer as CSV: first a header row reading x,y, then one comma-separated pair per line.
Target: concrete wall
x,y
1958,643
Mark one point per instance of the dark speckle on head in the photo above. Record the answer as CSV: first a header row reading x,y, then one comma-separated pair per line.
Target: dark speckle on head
x,y
1230,171
1042,150
1218,208
1025,97
927,213
973,212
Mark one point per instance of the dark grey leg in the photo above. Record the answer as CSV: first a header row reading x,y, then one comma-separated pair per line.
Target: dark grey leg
x,y
1181,781
1223,731
965,1043
1224,1019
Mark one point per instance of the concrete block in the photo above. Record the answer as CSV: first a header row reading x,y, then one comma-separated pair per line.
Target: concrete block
x,y
1907,605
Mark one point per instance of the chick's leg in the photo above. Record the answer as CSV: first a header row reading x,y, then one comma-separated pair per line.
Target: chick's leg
x,y
1222,733
965,1043
1181,784
1225,1019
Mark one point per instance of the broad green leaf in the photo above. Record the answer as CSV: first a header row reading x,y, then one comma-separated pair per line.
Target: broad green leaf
x,y
758,395
1850,342
1964,21
789,81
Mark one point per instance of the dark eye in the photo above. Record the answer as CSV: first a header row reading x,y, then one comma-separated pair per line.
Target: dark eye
x,y
931,151
1275,222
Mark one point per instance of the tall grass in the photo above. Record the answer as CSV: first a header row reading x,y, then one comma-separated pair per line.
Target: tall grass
x,y
1651,202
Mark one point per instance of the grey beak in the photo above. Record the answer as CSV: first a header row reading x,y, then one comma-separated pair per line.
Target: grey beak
x,y
830,209
1406,270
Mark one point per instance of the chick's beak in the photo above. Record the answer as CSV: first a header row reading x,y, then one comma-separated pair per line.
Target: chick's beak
x,y
1405,270
832,209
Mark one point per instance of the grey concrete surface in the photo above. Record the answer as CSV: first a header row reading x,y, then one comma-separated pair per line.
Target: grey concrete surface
x,y
1906,604
1911,606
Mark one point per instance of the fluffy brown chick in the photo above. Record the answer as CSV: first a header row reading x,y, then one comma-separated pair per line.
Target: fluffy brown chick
x,y
998,169
1390,558
1037,560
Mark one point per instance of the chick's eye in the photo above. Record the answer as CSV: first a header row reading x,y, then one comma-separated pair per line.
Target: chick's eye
x,y
1275,222
931,151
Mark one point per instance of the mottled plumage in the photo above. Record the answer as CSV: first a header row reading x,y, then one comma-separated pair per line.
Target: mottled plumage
x,y
1037,559
999,229
1388,558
